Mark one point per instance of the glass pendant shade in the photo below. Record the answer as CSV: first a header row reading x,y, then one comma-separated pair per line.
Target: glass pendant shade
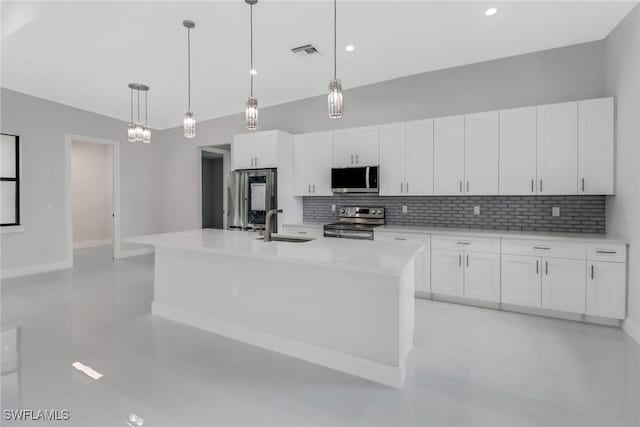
x,y
251,113
138,132
146,135
335,99
189,124
131,132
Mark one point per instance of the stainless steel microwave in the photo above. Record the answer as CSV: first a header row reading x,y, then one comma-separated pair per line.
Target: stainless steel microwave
x,y
355,180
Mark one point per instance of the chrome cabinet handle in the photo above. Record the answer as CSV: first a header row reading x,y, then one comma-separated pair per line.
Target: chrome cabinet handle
x,y
467,260
399,238
537,267
607,252
532,185
461,186
357,159
302,232
546,268
352,159
467,186
542,248
406,185
309,189
256,161
592,272
541,185
401,188
463,243
582,184
314,189
460,260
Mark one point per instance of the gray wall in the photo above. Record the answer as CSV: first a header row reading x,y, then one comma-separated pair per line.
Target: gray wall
x,y
569,73
578,214
212,193
42,126
622,59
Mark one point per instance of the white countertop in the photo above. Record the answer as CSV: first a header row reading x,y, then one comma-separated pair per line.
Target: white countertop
x,y
388,258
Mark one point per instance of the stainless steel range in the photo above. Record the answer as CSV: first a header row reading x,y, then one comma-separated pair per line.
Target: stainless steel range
x,y
355,223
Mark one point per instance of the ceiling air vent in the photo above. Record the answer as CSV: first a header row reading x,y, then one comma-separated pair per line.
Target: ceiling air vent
x,y
309,49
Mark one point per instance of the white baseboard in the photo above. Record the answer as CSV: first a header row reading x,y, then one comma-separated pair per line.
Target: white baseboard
x,y
135,252
633,329
35,269
91,243
392,376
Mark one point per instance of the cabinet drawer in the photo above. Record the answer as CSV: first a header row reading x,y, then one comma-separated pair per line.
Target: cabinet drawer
x,y
607,252
393,236
300,230
554,249
475,244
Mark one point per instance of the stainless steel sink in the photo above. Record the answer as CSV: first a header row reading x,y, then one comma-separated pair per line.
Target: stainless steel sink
x,y
290,239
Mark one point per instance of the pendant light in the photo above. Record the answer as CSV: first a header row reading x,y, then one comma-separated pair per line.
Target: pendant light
x,y
136,132
251,112
189,116
334,100
146,131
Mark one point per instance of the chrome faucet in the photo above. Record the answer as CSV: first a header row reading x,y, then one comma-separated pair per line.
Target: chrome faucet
x,y
267,223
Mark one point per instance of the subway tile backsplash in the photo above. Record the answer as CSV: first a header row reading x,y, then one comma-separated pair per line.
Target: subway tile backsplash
x,y
578,214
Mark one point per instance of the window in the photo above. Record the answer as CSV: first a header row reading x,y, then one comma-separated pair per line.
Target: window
x,y
9,180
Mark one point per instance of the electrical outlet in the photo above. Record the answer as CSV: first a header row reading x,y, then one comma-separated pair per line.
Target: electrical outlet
x,y
333,208
555,211
405,209
476,210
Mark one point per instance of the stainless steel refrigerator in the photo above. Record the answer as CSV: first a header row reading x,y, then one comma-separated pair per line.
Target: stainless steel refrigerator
x,y
252,193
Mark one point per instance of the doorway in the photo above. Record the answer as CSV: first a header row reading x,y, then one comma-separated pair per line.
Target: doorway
x,y
92,196
214,171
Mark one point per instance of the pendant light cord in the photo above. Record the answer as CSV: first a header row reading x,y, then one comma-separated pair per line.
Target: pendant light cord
x,y
335,18
131,98
146,111
251,49
189,65
138,106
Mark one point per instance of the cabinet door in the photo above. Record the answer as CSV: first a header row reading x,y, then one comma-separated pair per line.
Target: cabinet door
x,y
392,160
482,276
521,280
344,148
518,129
418,157
606,289
481,151
447,274
322,159
265,149
367,146
241,152
302,163
448,154
558,148
595,146
563,285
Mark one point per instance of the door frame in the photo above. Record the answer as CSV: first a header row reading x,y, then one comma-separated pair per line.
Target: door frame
x,y
226,163
115,176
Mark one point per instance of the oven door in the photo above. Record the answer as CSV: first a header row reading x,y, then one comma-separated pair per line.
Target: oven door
x,y
355,180
348,234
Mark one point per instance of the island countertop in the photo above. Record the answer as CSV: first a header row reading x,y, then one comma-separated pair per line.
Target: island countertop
x,y
388,258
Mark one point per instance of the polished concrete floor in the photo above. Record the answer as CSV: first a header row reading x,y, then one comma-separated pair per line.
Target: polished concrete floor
x,y
469,366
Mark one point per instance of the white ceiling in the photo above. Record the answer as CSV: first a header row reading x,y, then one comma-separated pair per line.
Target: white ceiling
x,y
85,53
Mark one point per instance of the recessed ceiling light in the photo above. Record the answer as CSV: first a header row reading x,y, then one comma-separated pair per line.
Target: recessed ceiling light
x,y
491,11
350,48
253,71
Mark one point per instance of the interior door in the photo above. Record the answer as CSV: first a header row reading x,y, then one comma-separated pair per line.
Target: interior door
x,y
392,160
482,276
448,150
606,289
563,285
344,148
418,157
447,274
521,280
367,146
558,148
481,152
595,146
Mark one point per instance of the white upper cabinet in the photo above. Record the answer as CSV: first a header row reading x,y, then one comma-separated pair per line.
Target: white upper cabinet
x,y
406,158
518,129
356,147
595,146
312,154
418,153
481,153
558,148
392,159
255,150
448,154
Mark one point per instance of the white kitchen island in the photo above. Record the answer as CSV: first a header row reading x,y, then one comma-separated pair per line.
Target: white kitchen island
x,y
343,304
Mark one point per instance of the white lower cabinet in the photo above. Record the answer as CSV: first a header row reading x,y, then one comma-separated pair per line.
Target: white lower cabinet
x,y
563,285
521,283
606,289
482,276
447,273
